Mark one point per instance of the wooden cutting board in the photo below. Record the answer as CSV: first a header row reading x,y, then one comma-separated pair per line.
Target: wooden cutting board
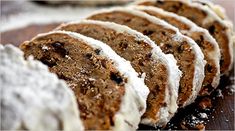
x,y
220,116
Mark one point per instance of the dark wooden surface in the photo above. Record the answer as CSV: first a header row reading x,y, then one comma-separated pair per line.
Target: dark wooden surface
x,y
220,115
20,35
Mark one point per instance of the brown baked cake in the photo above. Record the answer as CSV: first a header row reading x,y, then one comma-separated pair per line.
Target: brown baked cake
x,y
162,76
187,53
203,16
109,93
201,36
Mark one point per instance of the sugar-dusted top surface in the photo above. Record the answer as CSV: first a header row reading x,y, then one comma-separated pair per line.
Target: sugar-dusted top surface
x,y
32,97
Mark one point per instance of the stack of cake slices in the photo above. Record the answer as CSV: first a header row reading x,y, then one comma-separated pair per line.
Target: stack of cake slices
x,y
131,65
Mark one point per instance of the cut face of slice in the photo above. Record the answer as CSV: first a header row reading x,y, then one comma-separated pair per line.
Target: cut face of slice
x,y
201,36
161,73
187,53
104,83
203,16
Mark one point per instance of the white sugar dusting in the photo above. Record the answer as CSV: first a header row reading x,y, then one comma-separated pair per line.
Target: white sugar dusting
x,y
91,79
35,96
219,93
203,115
45,48
68,57
231,87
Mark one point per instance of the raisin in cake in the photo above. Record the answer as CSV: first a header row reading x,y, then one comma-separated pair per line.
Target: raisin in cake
x,y
187,53
109,93
161,73
32,97
205,17
201,36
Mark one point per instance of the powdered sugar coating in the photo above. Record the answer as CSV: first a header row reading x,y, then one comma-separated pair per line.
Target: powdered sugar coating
x,y
199,57
32,97
213,55
133,103
174,74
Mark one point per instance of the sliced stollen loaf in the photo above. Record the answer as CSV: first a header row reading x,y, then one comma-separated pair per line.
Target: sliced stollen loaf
x,y
201,36
189,56
205,17
109,93
32,98
162,76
